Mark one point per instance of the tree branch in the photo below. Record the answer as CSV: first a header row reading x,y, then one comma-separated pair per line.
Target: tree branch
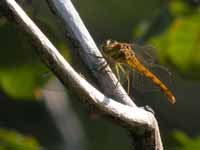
x,y
141,123
81,38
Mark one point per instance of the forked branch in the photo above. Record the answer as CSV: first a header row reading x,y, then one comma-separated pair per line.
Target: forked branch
x,y
141,123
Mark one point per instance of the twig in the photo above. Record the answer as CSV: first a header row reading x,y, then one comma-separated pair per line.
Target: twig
x,y
142,123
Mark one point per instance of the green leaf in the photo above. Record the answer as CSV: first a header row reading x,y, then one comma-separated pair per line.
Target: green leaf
x,y
179,45
20,68
11,140
184,142
21,82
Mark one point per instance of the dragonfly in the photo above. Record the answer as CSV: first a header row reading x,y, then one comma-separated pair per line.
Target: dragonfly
x,y
123,53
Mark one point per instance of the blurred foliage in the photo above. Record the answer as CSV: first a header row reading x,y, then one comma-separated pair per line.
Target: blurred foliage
x,y
179,44
180,141
20,68
11,140
21,82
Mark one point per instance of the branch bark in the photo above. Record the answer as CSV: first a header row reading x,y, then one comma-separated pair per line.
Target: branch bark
x,y
141,123
81,38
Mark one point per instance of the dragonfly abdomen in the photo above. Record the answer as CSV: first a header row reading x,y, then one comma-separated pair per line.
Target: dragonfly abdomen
x,y
133,62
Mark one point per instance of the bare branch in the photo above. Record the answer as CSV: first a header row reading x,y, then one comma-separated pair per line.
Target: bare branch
x,y
78,32
142,123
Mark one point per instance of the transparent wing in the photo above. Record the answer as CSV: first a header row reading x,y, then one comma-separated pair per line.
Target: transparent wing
x,y
147,56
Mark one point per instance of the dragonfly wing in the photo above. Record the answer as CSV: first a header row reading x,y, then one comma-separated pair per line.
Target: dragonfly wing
x,y
145,54
142,84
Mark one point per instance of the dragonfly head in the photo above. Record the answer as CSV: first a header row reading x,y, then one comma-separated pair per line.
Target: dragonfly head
x,y
115,51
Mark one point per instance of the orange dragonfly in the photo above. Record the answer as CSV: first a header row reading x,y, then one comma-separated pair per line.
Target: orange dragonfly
x,y
123,53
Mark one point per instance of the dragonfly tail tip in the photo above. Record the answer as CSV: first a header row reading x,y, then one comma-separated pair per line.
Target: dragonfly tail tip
x,y
172,100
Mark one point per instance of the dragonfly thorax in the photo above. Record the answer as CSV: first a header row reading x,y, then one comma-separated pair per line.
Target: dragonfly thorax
x,y
117,51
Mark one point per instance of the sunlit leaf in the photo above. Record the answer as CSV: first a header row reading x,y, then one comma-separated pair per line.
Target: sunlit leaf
x,y
20,68
20,82
11,140
184,142
179,45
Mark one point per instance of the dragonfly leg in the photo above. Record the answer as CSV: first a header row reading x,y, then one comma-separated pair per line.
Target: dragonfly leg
x,y
127,77
102,66
99,67
118,77
115,86
117,71
128,82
